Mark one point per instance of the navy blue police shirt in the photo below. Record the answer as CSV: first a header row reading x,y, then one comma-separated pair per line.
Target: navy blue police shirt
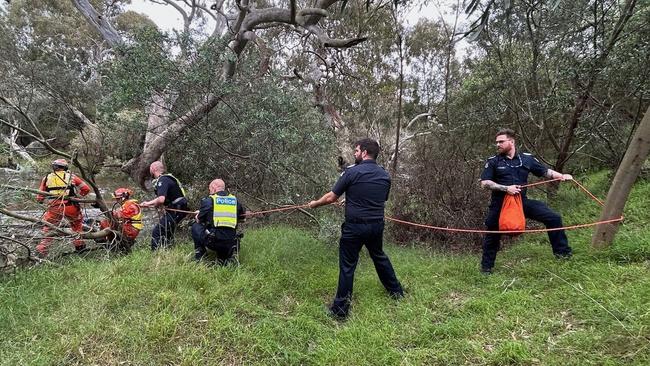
x,y
205,217
505,171
168,187
366,186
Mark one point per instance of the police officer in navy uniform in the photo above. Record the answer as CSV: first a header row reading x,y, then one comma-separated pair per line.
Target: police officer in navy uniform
x,y
216,224
366,186
504,174
170,194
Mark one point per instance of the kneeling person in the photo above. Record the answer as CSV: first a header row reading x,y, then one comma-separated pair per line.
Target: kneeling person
x,y
216,224
127,219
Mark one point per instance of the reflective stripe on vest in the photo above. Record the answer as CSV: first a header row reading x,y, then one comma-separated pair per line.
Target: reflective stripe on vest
x,y
224,211
177,182
60,185
135,220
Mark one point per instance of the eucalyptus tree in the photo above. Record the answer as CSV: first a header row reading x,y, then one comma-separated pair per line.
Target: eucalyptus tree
x,y
626,175
245,24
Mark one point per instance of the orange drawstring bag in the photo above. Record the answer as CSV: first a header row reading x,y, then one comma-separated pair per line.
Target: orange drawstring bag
x,y
512,214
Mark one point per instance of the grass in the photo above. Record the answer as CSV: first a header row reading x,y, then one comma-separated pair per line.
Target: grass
x,y
152,309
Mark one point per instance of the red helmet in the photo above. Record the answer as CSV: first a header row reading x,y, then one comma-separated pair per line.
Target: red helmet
x,y
60,163
123,193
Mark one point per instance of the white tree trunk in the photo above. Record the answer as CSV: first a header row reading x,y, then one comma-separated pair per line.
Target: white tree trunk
x,y
19,150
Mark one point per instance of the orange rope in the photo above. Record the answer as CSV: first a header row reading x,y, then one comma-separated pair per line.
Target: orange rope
x,y
588,193
440,228
540,182
177,210
296,207
503,232
518,231
254,213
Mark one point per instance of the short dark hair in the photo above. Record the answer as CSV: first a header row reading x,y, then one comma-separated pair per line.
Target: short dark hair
x,y
506,131
369,145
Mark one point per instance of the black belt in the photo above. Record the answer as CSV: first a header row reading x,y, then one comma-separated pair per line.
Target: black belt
x,y
354,220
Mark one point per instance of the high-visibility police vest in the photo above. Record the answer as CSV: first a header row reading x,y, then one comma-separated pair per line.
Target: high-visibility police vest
x,y
135,220
155,185
224,211
60,184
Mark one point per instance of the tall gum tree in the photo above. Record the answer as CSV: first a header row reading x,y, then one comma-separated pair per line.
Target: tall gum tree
x,y
244,21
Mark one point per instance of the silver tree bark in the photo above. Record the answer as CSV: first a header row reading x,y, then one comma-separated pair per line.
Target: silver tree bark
x,y
626,175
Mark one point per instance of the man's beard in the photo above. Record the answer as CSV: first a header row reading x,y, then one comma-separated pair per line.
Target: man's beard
x,y
357,160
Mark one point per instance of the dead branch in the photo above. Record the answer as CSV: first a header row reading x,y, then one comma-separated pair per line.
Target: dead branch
x,y
31,190
416,118
61,231
29,252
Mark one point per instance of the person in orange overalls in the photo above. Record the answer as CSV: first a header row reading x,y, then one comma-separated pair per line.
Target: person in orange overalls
x,y
127,219
63,185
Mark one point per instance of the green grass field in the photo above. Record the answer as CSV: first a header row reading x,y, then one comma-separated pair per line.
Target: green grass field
x,y
159,309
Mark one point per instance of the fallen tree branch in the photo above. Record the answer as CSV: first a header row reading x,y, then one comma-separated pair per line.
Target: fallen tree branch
x,y
30,256
29,251
63,231
31,190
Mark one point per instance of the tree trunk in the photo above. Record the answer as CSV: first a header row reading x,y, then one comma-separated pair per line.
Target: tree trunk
x,y
15,148
399,106
99,22
626,175
138,167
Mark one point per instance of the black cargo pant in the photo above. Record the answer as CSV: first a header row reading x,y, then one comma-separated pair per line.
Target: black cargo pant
x,y
533,209
354,235
226,249
162,234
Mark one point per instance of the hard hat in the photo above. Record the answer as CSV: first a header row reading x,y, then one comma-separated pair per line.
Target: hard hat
x,y
61,163
123,193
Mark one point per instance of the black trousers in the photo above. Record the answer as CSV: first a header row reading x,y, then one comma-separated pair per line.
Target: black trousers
x,y
226,250
533,209
163,233
353,237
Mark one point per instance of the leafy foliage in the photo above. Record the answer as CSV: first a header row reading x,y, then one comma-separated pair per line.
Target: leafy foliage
x,y
270,145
